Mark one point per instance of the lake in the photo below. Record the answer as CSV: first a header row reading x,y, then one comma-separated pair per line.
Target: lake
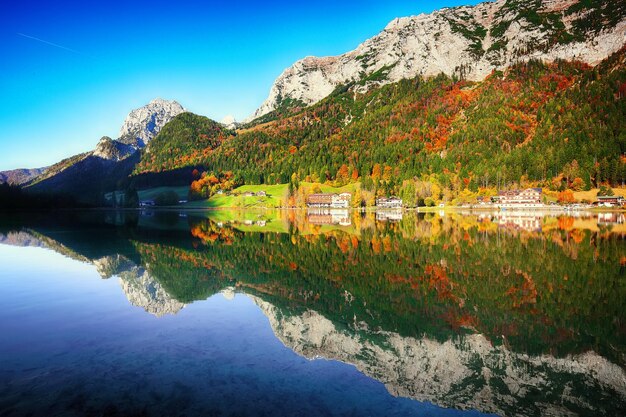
x,y
298,313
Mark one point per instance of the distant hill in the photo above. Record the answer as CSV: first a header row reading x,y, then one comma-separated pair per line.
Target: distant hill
x,y
20,176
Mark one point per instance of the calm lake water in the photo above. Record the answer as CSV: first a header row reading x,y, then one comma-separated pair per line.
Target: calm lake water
x,y
295,313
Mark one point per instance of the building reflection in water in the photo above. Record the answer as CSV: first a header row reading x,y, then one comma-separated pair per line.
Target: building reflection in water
x,y
389,215
321,216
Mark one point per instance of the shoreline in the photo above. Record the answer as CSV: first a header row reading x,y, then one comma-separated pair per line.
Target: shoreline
x,y
471,210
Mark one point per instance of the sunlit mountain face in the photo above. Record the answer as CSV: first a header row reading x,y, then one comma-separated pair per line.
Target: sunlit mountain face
x,y
167,313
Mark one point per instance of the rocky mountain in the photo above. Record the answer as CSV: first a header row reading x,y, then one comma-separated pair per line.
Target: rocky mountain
x,y
21,238
144,123
143,290
230,122
20,176
113,150
467,42
469,372
406,101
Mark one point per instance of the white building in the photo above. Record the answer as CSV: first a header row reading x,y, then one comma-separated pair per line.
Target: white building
x,y
389,202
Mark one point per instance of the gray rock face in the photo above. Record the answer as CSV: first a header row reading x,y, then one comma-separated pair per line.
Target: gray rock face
x,y
141,289
144,123
112,150
468,42
468,373
230,122
144,291
112,265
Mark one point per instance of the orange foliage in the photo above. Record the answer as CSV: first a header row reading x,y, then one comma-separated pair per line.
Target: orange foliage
x,y
439,280
343,172
344,244
577,235
375,245
376,171
566,196
566,222
525,293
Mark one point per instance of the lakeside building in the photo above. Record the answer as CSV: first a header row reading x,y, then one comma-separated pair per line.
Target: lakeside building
x,y
389,202
611,201
329,200
528,198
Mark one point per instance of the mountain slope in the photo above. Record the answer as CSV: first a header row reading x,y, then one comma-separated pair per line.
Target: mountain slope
x,y
87,178
185,138
535,120
466,42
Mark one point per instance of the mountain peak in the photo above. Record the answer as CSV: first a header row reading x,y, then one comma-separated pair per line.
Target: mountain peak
x,y
144,123
467,41
230,122
163,102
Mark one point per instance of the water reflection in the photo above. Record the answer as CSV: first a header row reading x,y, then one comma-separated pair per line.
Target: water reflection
x,y
341,217
508,313
393,215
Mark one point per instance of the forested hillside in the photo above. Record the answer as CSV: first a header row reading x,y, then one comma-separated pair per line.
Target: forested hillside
x,y
187,138
558,125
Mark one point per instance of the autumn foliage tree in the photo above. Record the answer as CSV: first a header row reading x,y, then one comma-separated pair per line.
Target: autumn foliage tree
x,y
566,197
210,183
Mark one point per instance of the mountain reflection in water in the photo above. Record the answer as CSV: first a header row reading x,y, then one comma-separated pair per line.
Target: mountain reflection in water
x,y
507,313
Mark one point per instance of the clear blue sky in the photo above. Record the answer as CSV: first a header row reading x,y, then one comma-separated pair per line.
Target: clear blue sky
x,y
71,71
